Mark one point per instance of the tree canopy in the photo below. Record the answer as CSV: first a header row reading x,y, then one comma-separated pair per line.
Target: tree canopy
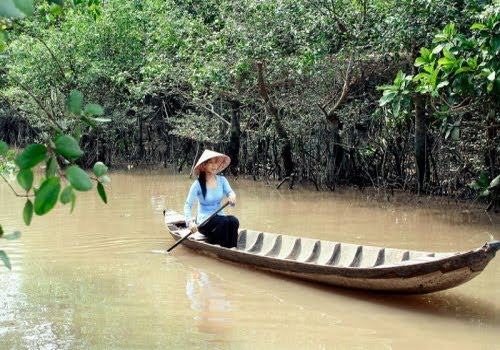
x,y
389,93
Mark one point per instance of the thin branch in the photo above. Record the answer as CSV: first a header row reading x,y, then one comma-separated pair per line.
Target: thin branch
x,y
345,88
215,113
61,69
343,95
39,103
13,190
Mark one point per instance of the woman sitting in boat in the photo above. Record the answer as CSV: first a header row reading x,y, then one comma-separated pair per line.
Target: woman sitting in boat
x,y
210,189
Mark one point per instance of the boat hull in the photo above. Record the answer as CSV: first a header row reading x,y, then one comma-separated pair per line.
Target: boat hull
x,y
407,277
418,284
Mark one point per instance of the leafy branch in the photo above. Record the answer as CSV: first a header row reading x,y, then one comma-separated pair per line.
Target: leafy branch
x,y
58,154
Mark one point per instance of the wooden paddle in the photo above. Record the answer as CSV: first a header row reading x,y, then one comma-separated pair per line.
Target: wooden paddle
x,y
203,223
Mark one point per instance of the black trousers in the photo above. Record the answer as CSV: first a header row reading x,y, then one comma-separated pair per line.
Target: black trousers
x,y
222,230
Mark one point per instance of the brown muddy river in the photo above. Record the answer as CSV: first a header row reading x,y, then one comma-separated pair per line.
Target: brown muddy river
x,y
91,281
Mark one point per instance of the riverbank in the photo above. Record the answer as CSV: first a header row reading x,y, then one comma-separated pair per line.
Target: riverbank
x,y
382,196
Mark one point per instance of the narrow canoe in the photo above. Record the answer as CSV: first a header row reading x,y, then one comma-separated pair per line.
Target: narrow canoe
x,y
344,264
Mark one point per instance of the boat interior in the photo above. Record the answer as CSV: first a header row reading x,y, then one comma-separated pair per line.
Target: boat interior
x,y
328,253
314,251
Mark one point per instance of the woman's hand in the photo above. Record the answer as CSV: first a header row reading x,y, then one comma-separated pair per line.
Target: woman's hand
x,y
192,227
232,199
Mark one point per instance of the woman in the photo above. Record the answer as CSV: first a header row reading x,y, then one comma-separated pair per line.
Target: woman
x,y
210,189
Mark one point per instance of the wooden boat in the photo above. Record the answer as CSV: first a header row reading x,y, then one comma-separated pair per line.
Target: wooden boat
x,y
343,264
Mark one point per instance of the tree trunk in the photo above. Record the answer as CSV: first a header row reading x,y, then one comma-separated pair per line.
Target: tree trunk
x,y
491,152
234,139
420,130
286,150
141,140
420,140
333,118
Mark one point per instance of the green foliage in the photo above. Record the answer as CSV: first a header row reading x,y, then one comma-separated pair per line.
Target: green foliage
x,y
481,183
93,109
25,179
59,2
102,192
75,102
16,8
51,167
7,165
104,179
3,148
78,178
398,97
457,68
66,195
495,183
100,169
68,147
46,196
484,186
28,212
65,145
3,40
31,156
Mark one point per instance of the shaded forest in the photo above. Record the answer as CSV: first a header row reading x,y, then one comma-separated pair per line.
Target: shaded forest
x,y
387,93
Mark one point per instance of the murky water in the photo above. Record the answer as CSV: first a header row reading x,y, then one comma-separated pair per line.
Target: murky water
x,y
90,280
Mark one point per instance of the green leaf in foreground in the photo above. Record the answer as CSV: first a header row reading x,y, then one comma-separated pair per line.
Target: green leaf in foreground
x,y
1,230
5,259
66,195
51,167
12,236
75,102
25,179
3,148
100,169
93,109
102,192
31,156
46,196
78,178
68,147
104,179
73,201
28,212
16,8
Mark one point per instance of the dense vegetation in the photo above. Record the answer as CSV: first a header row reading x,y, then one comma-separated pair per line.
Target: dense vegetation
x,y
388,93
56,150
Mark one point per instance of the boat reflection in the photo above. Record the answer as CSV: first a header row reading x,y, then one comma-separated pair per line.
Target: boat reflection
x,y
209,301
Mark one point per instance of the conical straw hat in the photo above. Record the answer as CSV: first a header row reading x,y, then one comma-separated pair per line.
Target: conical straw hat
x,y
206,155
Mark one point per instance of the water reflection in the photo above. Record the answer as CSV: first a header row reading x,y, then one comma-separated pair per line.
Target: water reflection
x,y
210,302
158,203
451,304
